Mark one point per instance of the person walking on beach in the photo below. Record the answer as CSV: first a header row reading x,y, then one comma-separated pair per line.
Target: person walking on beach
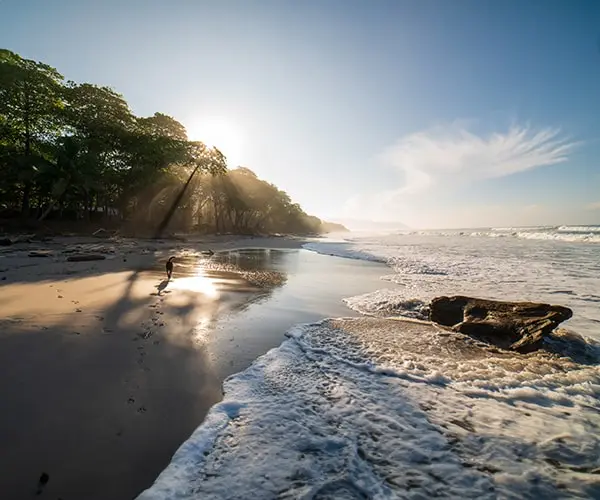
x,y
169,267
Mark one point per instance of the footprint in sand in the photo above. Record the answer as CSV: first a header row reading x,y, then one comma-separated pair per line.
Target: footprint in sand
x,y
141,409
130,401
78,310
42,482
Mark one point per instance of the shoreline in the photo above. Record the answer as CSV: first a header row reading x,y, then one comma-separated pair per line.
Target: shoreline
x,y
69,365
106,375
102,374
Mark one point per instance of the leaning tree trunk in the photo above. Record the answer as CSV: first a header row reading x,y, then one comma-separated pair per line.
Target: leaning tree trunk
x,y
53,201
169,215
25,201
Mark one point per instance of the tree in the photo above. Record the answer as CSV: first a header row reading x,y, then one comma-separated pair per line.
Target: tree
x,y
160,125
30,101
76,151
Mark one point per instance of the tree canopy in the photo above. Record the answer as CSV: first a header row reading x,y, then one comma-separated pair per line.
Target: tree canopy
x,y
75,152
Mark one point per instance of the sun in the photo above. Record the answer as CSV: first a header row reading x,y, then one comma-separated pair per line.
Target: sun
x,y
221,133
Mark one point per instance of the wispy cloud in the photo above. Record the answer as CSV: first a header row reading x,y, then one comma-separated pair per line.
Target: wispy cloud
x,y
447,153
594,206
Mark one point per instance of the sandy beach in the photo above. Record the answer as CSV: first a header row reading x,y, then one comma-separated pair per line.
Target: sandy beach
x,y
116,382
102,372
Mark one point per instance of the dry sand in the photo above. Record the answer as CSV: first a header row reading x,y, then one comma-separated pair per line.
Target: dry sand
x,y
103,370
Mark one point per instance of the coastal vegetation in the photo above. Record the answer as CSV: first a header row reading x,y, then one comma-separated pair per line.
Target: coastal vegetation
x,y
75,153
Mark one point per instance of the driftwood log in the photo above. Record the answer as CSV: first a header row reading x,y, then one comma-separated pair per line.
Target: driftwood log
x,y
517,326
85,257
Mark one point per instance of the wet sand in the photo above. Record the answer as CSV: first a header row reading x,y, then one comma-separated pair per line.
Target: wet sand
x,y
105,368
101,377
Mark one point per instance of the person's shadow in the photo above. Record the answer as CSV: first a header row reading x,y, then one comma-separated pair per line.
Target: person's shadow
x,y
161,286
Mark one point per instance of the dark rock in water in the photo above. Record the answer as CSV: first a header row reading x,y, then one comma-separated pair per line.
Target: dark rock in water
x,y
5,242
85,257
518,326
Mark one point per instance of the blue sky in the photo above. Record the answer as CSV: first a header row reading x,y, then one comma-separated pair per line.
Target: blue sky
x,y
434,113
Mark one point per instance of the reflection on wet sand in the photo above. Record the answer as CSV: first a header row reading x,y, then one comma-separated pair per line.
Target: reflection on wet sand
x,y
241,271
200,284
203,288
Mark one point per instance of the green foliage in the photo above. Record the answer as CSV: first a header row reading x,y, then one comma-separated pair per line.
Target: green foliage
x,y
161,125
76,151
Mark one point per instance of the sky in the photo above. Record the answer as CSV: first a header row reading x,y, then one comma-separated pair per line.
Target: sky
x,y
430,113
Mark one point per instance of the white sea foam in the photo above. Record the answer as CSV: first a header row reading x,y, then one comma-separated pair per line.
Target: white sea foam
x,y
372,408
572,236
343,249
523,228
588,234
579,229
386,303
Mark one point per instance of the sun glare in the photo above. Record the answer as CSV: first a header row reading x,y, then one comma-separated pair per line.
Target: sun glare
x,y
200,283
221,133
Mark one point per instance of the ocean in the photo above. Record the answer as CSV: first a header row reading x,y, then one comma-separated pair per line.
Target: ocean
x,y
542,264
380,407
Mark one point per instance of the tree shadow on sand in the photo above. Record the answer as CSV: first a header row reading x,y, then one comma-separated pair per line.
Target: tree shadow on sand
x,y
133,386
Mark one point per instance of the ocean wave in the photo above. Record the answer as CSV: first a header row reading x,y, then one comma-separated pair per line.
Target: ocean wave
x,y
405,264
387,303
573,234
523,228
343,249
579,229
572,237
375,408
